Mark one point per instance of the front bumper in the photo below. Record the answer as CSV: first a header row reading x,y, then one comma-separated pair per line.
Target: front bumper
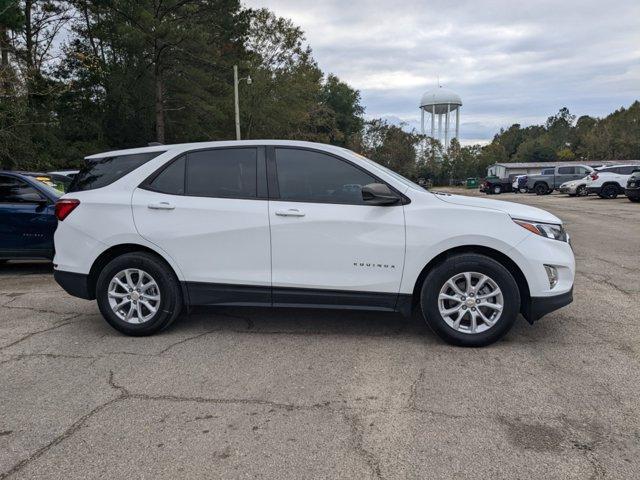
x,y
76,284
632,192
538,307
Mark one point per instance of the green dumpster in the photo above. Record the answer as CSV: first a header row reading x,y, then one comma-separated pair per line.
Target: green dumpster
x,y
472,182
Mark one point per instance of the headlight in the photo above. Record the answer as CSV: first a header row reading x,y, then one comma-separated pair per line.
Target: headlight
x,y
549,230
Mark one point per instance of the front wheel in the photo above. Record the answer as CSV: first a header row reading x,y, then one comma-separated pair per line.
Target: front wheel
x,y
470,300
497,189
582,191
138,294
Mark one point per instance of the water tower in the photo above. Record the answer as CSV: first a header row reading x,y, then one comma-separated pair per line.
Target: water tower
x,y
441,102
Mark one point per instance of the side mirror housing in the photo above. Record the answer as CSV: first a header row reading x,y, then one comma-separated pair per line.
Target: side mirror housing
x,y
379,194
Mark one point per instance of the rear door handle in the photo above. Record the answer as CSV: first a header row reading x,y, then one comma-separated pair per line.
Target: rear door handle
x,y
161,206
292,212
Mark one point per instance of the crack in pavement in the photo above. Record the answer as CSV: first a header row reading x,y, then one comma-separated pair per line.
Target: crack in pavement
x,y
599,278
45,355
355,425
413,390
71,319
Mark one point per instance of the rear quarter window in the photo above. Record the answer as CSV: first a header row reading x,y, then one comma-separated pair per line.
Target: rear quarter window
x,y
100,172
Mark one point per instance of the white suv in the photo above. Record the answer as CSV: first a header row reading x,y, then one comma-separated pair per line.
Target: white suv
x,y
282,223
609,182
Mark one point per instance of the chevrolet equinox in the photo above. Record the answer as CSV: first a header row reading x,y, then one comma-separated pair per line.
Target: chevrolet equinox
x,y
148,231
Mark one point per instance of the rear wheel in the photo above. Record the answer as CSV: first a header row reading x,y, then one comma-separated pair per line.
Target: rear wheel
x,y
541,188
138,294
496,189
470,300
609,191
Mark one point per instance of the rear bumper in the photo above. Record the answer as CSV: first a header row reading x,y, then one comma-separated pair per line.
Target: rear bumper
x,y
538,307
76,284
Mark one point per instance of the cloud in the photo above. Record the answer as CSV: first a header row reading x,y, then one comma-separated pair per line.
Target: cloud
x,y
509,61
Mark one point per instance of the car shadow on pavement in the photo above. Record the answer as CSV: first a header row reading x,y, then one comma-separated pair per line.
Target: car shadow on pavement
x,y
302,321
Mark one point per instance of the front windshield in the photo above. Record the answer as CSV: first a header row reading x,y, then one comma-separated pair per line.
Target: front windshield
x,y
395,175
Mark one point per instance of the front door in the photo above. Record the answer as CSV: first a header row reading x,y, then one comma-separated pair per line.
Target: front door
x,y
208,210
327,246
27,220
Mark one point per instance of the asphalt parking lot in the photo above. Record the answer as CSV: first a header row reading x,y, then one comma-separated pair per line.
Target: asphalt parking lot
x,y
257,393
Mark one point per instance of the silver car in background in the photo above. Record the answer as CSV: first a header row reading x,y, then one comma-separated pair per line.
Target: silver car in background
x,y
575,188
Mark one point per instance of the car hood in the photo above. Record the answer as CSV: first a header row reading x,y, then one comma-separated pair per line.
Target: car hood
x,y
514,210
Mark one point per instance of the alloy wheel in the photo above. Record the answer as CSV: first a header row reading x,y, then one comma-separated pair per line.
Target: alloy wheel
x,y
470,302
134,296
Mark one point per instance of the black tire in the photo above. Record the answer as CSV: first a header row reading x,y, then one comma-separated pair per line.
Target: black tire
x,y
609,191
582,191
541,189
496,189
169,287
634,199
469,262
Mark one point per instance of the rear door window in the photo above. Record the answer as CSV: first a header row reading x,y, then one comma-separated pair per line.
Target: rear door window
x,y
223,173
566,170
100,172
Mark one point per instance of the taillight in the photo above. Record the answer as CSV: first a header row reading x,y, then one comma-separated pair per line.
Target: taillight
x,y
65,206
594,176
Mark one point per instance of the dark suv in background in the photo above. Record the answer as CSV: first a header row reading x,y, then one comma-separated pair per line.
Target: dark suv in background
x,y
632,190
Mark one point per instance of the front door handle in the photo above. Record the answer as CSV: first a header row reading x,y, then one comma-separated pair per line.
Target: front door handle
x,y
161,206
292,212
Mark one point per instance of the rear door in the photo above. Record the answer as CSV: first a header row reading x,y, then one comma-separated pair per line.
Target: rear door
x,y
329,247
208,210
564,174
27,220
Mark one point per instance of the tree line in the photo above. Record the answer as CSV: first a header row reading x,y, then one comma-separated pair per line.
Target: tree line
x,y
83,76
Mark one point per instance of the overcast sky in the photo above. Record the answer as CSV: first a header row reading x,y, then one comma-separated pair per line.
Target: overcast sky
x,y
510,61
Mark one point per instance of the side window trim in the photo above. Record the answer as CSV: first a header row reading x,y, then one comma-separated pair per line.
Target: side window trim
x,y
272,172
261,172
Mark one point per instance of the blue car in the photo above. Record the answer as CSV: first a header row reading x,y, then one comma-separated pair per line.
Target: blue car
x,y
27,216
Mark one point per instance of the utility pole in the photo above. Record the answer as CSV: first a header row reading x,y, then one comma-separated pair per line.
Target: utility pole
x,y
236,81
237,103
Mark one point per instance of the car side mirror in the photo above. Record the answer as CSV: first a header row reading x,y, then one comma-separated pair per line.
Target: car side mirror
x,y
379,194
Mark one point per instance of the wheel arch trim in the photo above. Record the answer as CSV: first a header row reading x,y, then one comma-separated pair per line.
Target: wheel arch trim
x,y
116,250
502,258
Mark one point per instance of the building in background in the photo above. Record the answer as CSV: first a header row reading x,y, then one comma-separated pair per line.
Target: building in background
x,y
441,103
